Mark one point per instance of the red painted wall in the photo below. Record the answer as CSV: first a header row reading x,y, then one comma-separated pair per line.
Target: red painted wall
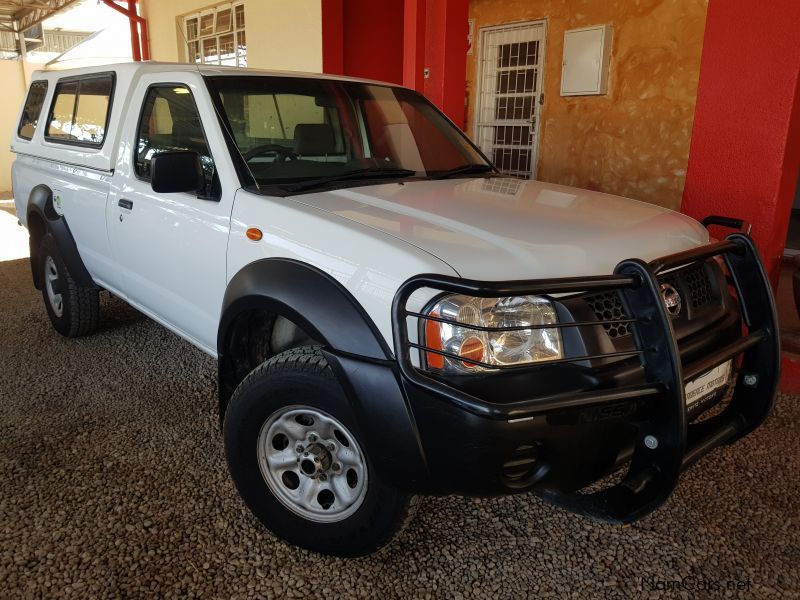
x,y
745,151
395,40
363,38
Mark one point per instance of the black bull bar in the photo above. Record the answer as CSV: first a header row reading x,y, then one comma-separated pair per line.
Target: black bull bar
x,y
666,442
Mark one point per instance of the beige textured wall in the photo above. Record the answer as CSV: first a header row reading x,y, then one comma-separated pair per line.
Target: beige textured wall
x,y
281,34
14,92
635,140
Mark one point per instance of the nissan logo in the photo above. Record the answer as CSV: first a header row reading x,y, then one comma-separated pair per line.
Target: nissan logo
x,y
672,299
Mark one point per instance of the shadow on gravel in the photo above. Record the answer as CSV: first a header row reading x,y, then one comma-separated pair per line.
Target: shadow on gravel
x,y
116,314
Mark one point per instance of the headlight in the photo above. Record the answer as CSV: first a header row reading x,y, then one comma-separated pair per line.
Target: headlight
x,y
495,348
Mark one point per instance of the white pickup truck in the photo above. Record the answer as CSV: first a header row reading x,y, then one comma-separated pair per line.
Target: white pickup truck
x,y
391,316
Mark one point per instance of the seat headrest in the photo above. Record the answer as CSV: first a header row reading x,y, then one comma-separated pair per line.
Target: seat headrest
x,y
314,139
186,132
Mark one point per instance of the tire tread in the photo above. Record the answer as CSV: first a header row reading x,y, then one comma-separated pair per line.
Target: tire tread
x,y
84,308
310,360
81,304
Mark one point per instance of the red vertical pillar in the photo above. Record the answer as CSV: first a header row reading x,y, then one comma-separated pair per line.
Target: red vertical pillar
x,y
446,56
333,37
136,52
745,149
397,41
414,16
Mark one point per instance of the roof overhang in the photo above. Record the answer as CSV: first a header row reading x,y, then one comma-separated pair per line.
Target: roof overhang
x,y
19,15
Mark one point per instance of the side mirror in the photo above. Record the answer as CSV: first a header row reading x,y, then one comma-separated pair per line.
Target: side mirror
x,y
176,171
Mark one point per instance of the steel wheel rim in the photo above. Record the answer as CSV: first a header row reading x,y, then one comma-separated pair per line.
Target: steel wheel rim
x,y
50,278
312,464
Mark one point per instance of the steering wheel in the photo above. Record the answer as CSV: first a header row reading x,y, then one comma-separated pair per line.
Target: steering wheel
x,y
284,153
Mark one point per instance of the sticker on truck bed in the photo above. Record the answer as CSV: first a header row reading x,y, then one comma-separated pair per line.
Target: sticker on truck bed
x,y
57,200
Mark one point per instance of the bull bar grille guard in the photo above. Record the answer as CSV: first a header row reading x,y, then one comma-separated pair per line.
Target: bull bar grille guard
x,y
653,470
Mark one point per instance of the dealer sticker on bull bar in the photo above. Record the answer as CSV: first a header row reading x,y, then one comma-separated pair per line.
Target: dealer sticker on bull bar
x,y
708,382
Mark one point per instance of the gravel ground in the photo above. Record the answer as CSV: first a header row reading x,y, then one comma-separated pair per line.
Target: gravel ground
x,y
114,485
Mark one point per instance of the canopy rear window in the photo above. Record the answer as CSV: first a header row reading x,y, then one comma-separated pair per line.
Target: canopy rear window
x,y
32,110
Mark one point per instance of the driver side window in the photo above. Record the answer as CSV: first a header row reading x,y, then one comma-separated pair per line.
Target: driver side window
x,y
170,121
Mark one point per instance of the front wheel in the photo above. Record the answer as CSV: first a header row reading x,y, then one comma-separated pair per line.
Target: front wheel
x,y
298,461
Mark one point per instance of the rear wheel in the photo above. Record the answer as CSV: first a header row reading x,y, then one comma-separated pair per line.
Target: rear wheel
x,y
298,459
74,310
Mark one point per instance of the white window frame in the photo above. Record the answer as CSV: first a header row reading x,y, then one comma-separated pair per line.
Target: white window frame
x,y
238,33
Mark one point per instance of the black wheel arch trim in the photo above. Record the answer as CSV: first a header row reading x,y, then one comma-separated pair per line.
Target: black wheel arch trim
x,y
385,419
310,298
352,344
40,203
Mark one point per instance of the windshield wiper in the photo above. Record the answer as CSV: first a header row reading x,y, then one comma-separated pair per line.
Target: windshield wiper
x,y
371,173
463,170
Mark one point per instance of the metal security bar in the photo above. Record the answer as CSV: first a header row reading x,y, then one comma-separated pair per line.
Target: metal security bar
x,y
519,327
542,363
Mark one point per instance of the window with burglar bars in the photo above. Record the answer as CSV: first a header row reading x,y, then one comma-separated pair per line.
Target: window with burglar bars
x,y
216,36
510,81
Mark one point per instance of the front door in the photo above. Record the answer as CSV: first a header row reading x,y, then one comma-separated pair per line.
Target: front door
x,y
509,96
172,248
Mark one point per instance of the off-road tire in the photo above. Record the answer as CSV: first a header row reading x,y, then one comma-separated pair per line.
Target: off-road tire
x,y
301,376
80,305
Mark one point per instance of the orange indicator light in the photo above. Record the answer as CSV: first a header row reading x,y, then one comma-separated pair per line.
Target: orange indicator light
x,y
433,339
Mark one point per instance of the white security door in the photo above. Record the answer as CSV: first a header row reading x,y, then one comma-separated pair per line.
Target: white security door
x,y
510,95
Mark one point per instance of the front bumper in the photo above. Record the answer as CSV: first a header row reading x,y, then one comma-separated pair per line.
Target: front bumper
x,y
563,441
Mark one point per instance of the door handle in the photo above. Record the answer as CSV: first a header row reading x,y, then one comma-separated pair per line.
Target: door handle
x,y
128,204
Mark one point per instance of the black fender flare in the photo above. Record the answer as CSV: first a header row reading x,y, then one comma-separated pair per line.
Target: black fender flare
x,y
308,297
40,203
353,345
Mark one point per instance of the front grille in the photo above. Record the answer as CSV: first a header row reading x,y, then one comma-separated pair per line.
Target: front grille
x,y
700,291
691,281
607,306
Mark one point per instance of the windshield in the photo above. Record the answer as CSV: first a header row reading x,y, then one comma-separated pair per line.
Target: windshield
x,y
300,133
